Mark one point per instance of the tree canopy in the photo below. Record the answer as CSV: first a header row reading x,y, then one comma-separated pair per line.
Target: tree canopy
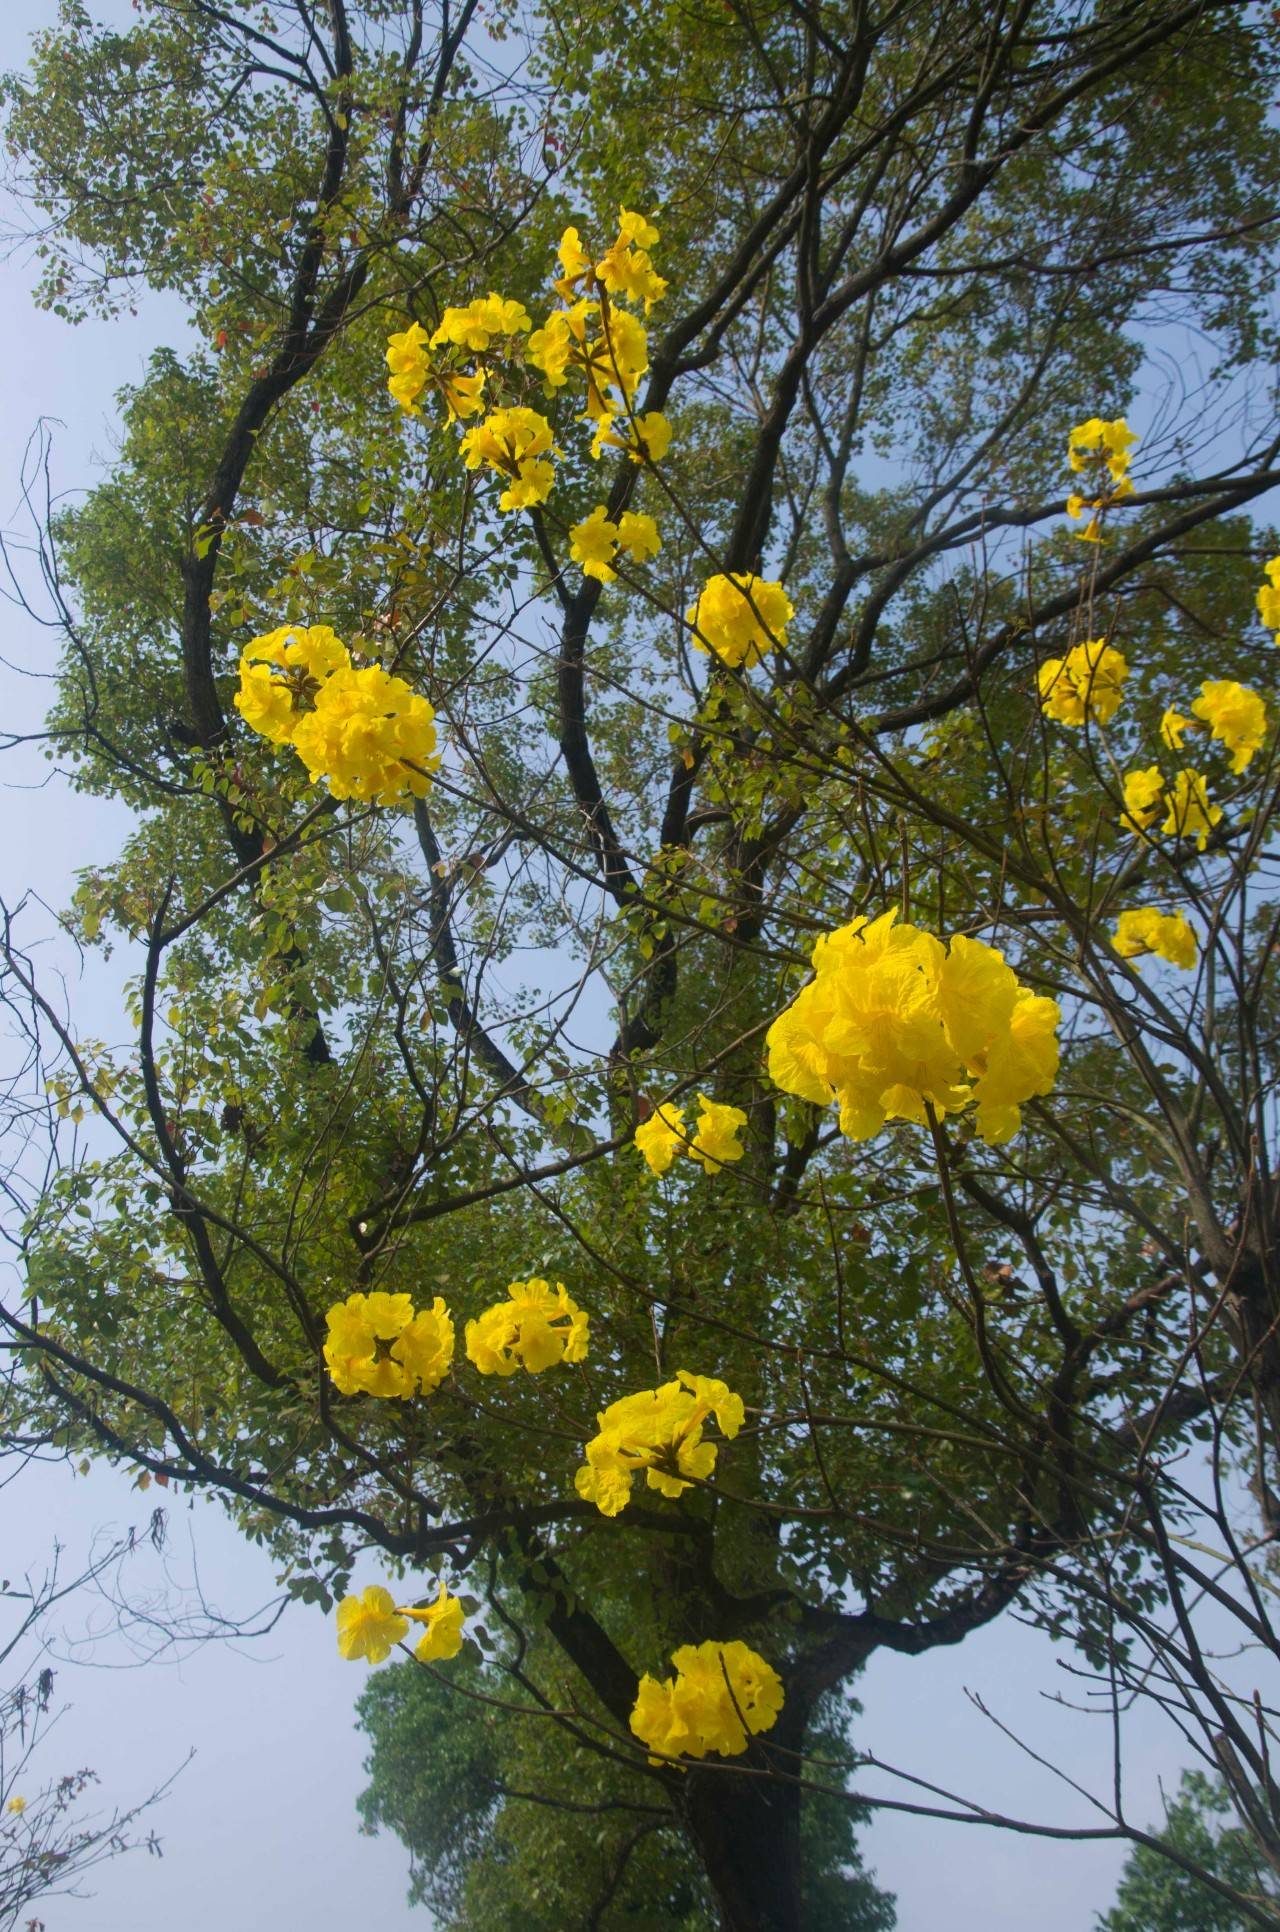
x,y
702,1056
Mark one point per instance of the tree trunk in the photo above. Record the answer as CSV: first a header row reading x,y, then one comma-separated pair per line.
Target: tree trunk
x,y
746,1831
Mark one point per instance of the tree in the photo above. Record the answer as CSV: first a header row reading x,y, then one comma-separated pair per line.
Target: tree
x,y
958,1339
467,1792
1155,1895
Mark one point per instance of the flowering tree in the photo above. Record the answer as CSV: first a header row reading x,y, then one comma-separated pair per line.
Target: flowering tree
x,y
701,899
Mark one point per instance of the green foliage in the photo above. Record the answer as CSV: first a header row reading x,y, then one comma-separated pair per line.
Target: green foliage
x,y
1156,1895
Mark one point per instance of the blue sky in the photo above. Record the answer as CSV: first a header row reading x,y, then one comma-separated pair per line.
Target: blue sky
x,y
260,1830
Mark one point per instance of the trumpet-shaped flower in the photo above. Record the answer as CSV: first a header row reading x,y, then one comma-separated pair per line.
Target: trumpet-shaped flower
x,y
476,326
739,618
659,1431
1236,717
1098,440
517,443
577,271
661,1137
1085,685
442,1626
1269,598
645,439
893,1026
379,1344
537,1327
370,1625
1174,727
716,1140
1143,799
1190,812
595,542
370,736
281,674
721,1694
1167,934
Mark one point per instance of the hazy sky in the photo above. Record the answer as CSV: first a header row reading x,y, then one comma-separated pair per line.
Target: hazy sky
x,y
260,1830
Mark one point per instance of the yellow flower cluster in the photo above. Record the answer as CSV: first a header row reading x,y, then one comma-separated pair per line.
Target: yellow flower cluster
x,y
1166,934
738,618
534,1329
370,1625
518,444
593,337
1269,598
1102,450
380,1344
720,1694
365,733
1188,809
659,1431
465,331
713,1143
894,1023
595,542
1083,686
1231,713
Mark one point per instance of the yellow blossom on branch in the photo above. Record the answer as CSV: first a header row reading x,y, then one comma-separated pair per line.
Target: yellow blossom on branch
x,y
1237,718
1268,599
596,541
17,1805
369,1626
380,1344
1173,728
1143,799
645,439
281,674
894,1025
536,1328
475,326
720,1695
661,1137
716,1140
737,618
1166,934
370,736
1190,813
1085,685
660,1432
517,443
442,1627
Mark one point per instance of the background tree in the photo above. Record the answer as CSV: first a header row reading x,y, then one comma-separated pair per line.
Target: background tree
x,y
908,249
1156,1896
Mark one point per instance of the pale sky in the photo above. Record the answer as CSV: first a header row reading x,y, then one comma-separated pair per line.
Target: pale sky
x,y
260,1830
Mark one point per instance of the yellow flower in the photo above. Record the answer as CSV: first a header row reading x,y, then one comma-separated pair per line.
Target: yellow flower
x,y
282,673
412,370
1097,440
17,1806
638,535
576,268
379,1344
517,444
661,1137
739,618
1167,934
893,1024
1173,726
627,269
370,736
475,326
537,1327
1086,684
716,1140
1191,814
593,543
1269,598
442,1635
1143,798
369,1625
659,1431
720,1695
645,438
1236,716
